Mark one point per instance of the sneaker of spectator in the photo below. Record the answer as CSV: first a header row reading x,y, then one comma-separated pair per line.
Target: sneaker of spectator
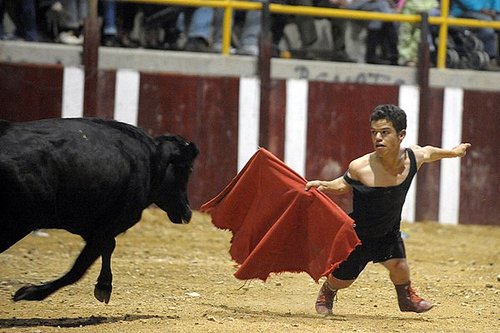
x,y
197,22
251,50
69,38
493,65
77,11
197,44
217,48
110,41
341,56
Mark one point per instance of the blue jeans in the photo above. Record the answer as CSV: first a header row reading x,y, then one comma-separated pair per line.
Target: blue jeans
x,y
250,31
27,14
109,20
77,11
24,18
199,22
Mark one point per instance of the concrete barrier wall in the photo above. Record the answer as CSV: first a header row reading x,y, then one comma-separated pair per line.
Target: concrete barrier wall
x,y
316,126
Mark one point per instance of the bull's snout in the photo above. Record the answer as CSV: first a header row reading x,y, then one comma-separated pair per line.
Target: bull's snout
x,y
186,218
181,217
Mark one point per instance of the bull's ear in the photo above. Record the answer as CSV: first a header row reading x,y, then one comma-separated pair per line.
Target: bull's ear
x,y
177,148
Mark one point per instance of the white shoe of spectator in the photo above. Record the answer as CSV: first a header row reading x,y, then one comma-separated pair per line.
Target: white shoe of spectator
x,y
251,50
68,37
217,47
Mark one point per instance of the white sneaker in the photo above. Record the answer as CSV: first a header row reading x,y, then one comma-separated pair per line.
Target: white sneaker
x,y
217,47
67,37
251,50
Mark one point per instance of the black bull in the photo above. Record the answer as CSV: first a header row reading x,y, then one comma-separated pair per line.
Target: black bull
x,y
91,177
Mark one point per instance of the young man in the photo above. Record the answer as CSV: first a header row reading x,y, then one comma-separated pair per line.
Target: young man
x,y
379,181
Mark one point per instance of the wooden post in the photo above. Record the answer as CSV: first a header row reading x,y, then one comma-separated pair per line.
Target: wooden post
x,y
424,57
264,69
90,60
427,185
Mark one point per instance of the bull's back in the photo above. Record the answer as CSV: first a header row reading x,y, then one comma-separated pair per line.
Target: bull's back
x,y
68,172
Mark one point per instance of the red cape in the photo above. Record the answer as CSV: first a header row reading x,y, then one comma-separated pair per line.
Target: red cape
x,y
277,226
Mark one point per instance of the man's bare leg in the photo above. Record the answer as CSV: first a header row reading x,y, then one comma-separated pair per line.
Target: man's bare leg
x,y
327,293
408,300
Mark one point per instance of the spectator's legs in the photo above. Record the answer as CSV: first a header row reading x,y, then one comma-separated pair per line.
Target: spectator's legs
x,y
409,36
338,29
2,13
72,8
498,47
217,26
497,18
373,39
109,23
218,22
172,33
387,36
126,19
83,10
390,36
249,39
305,24
26,20
77,10
379,32
278,23
200,30
250,33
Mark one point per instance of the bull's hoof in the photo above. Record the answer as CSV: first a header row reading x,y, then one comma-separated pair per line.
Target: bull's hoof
x,y
30,293
102,293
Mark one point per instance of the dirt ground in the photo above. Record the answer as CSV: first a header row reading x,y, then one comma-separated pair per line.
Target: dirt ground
x,y
179,278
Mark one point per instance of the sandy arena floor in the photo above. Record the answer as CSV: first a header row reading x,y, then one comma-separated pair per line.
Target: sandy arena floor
x,y
178,278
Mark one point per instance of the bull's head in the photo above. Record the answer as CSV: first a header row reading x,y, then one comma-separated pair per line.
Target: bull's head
x,y
176,164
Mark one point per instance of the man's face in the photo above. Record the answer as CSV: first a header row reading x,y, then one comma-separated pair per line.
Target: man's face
x,y
384,136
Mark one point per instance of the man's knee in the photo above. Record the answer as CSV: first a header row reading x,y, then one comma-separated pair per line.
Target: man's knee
x,y
336,283
401,264
396,264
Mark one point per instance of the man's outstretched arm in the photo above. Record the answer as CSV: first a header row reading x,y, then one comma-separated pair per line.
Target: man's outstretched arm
x,y
429,154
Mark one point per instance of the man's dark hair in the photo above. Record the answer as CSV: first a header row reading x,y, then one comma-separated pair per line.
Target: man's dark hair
x,y
392,113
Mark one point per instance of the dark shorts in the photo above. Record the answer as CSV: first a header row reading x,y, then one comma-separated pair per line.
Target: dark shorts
x,y
376,249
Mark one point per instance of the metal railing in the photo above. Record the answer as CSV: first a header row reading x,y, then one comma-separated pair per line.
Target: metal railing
x,y
443,21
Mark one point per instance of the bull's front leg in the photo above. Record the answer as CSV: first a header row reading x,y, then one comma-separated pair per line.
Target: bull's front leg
x,y
87,257
103,287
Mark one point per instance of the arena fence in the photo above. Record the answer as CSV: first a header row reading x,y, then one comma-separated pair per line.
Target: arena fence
x,y
462,191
